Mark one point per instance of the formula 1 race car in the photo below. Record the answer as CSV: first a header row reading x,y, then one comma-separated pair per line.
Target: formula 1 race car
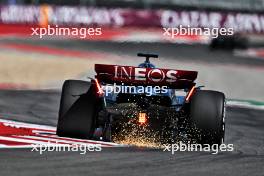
x,y
120,98
236,41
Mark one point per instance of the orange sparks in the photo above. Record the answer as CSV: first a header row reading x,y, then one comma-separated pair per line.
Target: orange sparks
x,y
142,118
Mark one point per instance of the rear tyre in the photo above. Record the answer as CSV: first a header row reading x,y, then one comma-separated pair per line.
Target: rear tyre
x,y
207,115
78,111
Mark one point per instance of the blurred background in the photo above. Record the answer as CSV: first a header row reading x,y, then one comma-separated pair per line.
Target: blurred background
x,y
250,5
233,64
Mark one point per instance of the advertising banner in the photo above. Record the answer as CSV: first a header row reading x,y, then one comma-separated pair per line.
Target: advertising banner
x,y
117,17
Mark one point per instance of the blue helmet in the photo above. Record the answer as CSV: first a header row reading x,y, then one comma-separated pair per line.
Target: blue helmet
x,y
147,63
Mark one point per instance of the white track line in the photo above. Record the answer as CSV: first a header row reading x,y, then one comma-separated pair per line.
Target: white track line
x,y
27,125
16,146
14,139
49,136
242,104
52,140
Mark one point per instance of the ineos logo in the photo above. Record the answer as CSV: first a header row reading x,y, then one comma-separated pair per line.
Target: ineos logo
x,y
142,74
156,75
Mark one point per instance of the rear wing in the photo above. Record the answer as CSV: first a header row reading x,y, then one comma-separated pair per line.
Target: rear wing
x,y
137,76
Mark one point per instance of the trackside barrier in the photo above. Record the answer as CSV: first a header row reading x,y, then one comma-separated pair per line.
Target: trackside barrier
x,y
126,17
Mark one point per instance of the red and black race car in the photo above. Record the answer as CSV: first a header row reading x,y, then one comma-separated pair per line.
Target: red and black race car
x,y
164,101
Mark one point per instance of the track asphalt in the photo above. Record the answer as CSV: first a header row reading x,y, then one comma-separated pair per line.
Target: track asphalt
x,y
244,129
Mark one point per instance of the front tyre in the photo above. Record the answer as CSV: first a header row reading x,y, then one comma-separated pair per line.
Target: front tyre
x,y
207,114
